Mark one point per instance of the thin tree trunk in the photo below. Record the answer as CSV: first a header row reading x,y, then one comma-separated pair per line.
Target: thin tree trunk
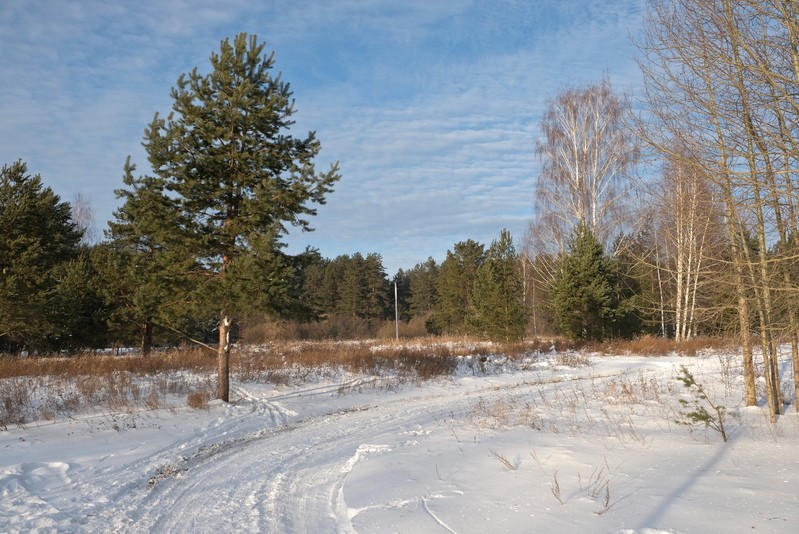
x,y
663,331
146,333
788,12
750,392
223,359
681,253
737,246
795,361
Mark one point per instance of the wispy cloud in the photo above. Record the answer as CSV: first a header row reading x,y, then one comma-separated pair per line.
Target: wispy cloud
x,y
430,107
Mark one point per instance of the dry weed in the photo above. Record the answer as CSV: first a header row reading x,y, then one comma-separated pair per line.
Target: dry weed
x,y
15,397
554,486
505,413
639,390
504,460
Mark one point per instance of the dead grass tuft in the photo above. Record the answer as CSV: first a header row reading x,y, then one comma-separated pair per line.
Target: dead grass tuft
x,y
198,400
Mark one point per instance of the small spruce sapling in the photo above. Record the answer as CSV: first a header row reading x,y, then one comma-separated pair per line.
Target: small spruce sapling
x,y
695,408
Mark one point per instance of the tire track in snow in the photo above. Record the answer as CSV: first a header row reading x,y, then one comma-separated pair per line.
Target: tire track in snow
x,y
290,478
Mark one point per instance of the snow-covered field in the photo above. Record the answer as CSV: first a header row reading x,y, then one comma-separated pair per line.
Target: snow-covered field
x,y
540,447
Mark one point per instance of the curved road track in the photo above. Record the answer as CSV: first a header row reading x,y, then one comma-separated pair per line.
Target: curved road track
x,y
268,470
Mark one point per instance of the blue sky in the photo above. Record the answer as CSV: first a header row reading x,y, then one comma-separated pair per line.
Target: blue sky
x,y
431,107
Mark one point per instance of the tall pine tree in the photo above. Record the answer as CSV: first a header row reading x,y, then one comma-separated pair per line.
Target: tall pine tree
x,y
497,310
377,295
422,281
454,287
237,178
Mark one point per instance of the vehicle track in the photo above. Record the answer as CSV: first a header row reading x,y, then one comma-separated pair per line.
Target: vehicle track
x,y
290,474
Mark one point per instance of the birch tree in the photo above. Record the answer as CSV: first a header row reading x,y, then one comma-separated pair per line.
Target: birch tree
x,y
686,218
587,156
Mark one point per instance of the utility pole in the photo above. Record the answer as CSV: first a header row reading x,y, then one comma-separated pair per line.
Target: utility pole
x,y
396,312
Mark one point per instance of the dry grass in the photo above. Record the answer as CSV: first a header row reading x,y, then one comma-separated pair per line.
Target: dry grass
x,y
39,388
198,400
46,388
638,390
510,465
291,362
104,364
658,346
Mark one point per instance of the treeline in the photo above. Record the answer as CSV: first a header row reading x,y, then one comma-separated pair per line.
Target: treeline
x,y
59,293
475,290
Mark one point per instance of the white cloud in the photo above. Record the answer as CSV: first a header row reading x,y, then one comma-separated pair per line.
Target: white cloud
x,y
431,107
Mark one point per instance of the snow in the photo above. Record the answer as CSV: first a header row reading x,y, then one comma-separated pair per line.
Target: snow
x,y
543,447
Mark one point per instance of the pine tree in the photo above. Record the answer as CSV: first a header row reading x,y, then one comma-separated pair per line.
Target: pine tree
x,y
497,310
454,287
329,293
376,300
237,178
38,235
403,284
143,265
586,290
351,290
313,275
422,280
78,308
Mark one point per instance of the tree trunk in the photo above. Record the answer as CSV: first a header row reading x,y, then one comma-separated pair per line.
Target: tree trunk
x,y
795,363
750,391
223,359
146,334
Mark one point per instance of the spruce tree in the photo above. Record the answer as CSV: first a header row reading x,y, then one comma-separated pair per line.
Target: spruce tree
x,y
497,310
37,236
585,291
238,179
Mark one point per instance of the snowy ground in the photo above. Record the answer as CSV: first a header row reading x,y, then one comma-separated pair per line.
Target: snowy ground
x,y
549,448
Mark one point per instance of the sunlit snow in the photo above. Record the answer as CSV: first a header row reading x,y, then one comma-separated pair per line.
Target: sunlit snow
x,y
539,447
